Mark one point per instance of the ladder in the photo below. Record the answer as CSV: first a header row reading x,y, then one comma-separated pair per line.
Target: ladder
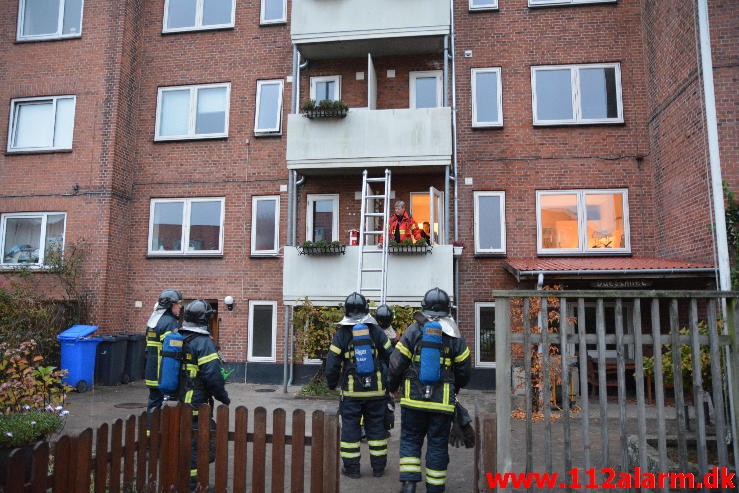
x,y
372,261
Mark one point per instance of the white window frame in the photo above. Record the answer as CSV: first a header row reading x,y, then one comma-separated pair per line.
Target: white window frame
x,y
325,78
547,3
475,122
478,305
16,103
60,24
42,238
490,5
262,10
582,223
192,116
312,199
185,239
250,356
254,200
412,76
278,129
198,19
576,102
478,249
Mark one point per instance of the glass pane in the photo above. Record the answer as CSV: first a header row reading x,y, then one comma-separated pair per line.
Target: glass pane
x,y
217,12
268,107
273,10
553,95
559,221
174,113
487,334
72,17
426,93
486,96
605,220
40,17
325,90
483,3
266,225
205,225
64,126
489,226
54,235
33,125
167,231
22,240
598,93
211,117
261,331
323,220
181,13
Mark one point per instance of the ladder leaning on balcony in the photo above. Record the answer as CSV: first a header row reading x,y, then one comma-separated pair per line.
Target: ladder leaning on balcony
x,y
371,270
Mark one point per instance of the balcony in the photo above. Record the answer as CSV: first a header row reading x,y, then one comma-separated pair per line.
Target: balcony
x,y
349,28
328,280
371,138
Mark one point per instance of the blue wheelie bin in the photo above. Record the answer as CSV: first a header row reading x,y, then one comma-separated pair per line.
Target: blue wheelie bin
x,y
78,355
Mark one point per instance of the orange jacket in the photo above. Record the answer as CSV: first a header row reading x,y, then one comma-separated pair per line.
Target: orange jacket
x,y
408,228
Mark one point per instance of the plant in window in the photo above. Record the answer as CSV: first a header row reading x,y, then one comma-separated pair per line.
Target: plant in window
x,y
321,247
324,109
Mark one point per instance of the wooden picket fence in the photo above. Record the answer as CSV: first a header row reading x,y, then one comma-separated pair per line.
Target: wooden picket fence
x,y
122,458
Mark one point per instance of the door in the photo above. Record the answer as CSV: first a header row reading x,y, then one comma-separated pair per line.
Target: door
x,y
436,208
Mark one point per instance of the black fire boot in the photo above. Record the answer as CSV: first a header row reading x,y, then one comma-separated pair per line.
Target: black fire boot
x,y
408,487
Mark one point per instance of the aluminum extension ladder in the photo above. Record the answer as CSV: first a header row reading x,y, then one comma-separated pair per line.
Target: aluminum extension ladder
x,y
372,261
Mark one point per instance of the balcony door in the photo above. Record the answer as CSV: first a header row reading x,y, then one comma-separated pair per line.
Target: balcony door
x,y
427,208
425,89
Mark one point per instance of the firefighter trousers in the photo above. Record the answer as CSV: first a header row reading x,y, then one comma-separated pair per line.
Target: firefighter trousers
x,y
415,426
352,410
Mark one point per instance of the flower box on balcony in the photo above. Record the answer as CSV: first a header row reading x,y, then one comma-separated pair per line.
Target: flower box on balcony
x,y
321,248
404,248
324,109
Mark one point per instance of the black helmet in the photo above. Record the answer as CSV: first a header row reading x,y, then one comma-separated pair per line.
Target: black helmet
x,y
355,304
435,303
198,313
384,316
169,297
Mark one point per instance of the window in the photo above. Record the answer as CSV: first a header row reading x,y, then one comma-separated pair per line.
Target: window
x,y
483,4
576,94
589,221
29,237
186,226
490,222
49,19
262,330
41,124
193,112
485,335
487,98
536,3
273,12
322,218
265,225
268,118
325,88
191,15
425,90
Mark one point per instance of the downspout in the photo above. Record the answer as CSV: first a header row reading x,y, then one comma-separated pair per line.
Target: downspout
x,y
450,55
297,181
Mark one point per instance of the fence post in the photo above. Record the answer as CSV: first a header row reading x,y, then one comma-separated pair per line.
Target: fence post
x,y
221,447
259,450
488,450
503,384
40,467
733,373
331,453
170,438
62,464
82,457
116,433
316,453
297,452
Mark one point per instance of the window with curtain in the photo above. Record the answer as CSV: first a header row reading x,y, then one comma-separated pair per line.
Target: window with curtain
x,y
42,124
193,112
49,19
29,238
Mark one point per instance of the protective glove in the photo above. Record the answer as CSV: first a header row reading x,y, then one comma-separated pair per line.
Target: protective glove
x,y
456,434
469,436
389,420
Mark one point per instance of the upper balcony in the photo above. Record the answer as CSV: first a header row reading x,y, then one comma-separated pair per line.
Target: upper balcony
x,y
348,28
371,138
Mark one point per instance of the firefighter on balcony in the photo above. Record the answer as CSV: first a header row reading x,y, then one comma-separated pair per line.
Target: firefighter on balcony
x,y
432,362
163,320
357,360
401,225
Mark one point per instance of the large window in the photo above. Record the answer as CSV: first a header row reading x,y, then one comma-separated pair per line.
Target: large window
x,y
273,12
186,226
265,225
190,15
49,19
536,3
485,335
193,112
41,124
29,237
588,221
262,330
490,222
483,4
268,118
325,88
322,218
577,94
487,98
425,89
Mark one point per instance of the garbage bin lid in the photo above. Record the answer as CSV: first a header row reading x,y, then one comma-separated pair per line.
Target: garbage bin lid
x,y
77,332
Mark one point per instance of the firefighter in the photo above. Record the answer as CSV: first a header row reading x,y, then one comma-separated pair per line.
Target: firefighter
x,y
203,377
428,398
401,225
357,360
163,320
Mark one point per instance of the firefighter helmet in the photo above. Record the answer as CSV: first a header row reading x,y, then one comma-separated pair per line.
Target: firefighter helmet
x,y
384,316
198,313
355,305
435,303
169,297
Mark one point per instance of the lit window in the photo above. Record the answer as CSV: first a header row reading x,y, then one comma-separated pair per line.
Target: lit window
x,y
273,12
536,3
30,238
485,335
587,221
191,15
186,226
483,4
425,89
262,330
265,227
325,88
322,218
487,98
268,118
577,94
490,222
49,19
41,124
193,112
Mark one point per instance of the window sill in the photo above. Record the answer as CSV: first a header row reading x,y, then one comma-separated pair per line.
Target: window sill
x,y
276,133
560,4
183,30
185,256
584,254
556,123
486,126
272,23
27,267
482,9
38,151
46,38
490,255
189,138
264,255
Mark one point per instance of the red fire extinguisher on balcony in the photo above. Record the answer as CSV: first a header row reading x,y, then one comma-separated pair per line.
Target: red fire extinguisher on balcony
x,y
353,237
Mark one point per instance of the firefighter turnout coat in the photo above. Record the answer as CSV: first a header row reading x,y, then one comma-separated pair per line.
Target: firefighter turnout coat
x,y
203,379
154,336
406,225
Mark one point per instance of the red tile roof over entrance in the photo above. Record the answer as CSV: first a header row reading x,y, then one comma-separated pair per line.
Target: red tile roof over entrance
x,y
572,266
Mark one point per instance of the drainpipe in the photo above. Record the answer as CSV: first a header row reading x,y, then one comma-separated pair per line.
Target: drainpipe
x,y
449,57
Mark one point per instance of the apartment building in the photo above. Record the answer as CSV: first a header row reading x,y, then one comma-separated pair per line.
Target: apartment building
x,y
564,142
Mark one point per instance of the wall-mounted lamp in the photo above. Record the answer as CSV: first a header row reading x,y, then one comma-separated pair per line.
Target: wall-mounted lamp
x,y
229,301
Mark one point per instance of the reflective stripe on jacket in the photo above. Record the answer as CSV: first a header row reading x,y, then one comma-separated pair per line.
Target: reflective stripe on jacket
x,y
408,228
154,337
202,369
